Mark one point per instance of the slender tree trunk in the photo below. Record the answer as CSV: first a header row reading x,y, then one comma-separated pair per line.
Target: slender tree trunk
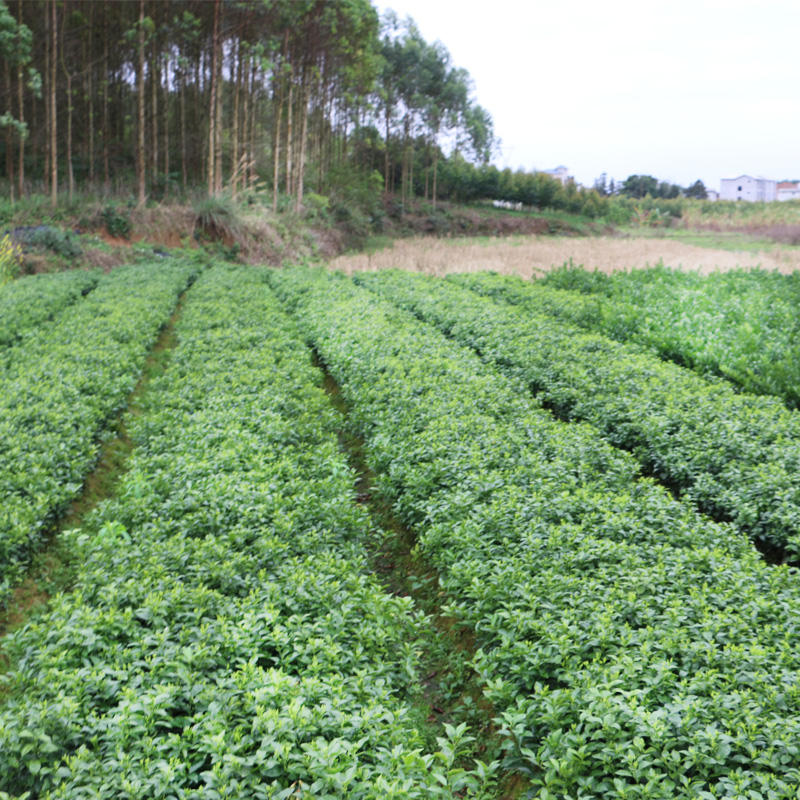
x,y
70,173
302,144
218,123
251,136
140,147
184,173
245,121
435,165
153,74
277,142
289,133
212,106
53,109
21,115
165,126
236,70
106,130
386,181
9,142
89,91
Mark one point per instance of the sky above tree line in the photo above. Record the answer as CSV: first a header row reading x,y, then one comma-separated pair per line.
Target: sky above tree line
x,y
680,90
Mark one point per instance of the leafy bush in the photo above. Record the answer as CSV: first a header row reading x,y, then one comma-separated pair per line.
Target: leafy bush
x,y
116,222
62,243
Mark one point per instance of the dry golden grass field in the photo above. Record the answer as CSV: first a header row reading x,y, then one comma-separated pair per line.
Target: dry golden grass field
x,y
528,255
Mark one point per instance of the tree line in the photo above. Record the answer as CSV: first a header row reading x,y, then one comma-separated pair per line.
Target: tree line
x,y
163,96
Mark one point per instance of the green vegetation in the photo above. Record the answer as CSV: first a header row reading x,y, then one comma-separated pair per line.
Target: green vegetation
x,y
63,385
9,260
25,305
741,325
634,648
224,638
732,455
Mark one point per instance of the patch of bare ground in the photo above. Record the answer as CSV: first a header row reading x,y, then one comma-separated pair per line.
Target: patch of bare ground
x,y
530,255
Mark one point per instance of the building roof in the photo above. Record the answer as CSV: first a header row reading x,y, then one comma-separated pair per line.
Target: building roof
x,y
751,177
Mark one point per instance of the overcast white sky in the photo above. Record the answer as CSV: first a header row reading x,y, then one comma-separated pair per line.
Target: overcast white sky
x,y
681,90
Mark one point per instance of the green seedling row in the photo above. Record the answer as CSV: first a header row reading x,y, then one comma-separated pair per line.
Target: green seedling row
x,y
225,638
62,388
735,456
741,325
634,648
29,302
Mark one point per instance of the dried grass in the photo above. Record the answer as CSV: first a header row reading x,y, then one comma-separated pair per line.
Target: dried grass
x,y
527,255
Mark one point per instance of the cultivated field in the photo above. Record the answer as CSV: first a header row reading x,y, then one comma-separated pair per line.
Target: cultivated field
x,y
530,255
599,514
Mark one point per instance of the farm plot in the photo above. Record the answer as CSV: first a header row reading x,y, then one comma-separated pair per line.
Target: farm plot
x,y
735,456
741,325
636,648
28,302
62,387
224,638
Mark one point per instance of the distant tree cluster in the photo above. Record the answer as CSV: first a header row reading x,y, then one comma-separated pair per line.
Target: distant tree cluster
x,y
228,94
640,186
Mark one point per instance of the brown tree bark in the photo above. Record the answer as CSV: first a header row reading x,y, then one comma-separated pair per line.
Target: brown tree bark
x,y
140,151
53,109
212,106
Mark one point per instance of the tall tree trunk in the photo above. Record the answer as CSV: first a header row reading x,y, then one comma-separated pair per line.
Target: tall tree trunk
x,y
70,172
236,76
184,173
289,176
218,124
245,121
53,109
140,151
251,135
435,165
153,74
212,105
106,130
165,126
386,182
89,91
302,145
21,115
9,142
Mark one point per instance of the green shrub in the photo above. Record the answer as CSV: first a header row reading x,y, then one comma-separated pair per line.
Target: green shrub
x,y
117,223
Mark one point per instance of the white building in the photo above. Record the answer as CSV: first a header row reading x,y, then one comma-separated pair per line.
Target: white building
x,y
788,190
747,188
559,173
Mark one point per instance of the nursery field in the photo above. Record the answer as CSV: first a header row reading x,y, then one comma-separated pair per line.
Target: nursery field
x,y
609,507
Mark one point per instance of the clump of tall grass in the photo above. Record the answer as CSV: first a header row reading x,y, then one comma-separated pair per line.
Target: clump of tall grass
x,y
217,219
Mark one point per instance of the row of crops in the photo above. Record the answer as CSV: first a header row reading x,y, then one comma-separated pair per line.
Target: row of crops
x,y
26,304
64,383
743,325
226,636
636,648
735,456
